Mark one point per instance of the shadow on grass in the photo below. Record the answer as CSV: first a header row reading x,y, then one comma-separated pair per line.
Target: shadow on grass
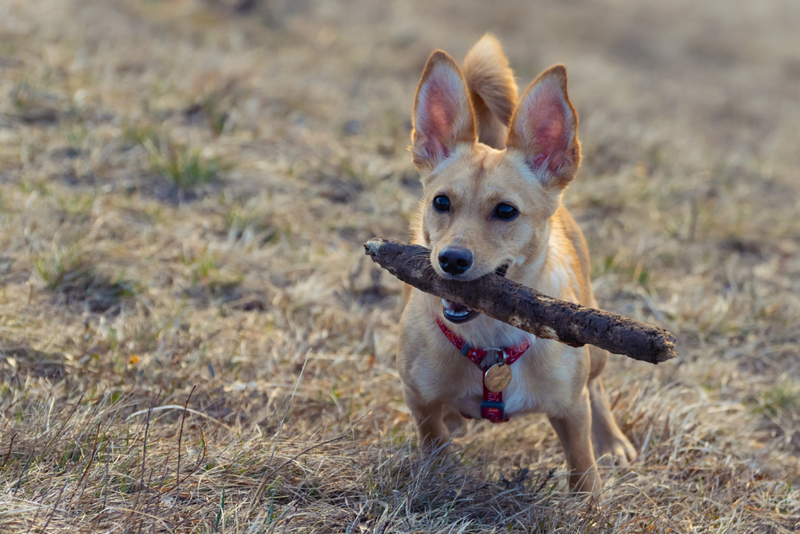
x,y
23,360
186,172
177,173
79,286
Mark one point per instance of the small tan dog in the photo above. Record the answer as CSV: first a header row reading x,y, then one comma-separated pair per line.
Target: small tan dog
x,y
492,175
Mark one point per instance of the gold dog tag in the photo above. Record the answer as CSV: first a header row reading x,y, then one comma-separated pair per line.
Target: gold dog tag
x,y
497,377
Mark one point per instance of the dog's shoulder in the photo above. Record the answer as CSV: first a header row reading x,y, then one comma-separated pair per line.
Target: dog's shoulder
x,y
574,252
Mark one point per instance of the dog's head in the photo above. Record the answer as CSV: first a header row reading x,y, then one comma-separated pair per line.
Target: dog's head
x,y
484,209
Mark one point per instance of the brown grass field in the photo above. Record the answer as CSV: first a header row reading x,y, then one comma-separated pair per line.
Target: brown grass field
x,y
185,187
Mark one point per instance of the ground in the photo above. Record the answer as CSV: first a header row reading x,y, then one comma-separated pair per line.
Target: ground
x,y
185,187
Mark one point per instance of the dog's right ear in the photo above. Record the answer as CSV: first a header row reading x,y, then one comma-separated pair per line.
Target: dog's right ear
x,y
544,129
443,115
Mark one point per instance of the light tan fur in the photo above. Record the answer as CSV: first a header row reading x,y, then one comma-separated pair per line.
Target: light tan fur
x,y
543,247
492,88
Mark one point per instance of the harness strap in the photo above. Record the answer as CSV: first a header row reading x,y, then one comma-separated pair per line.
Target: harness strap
x,y
492,406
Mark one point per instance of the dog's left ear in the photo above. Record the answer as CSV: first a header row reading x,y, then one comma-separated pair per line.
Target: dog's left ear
x,y
443,115
544,128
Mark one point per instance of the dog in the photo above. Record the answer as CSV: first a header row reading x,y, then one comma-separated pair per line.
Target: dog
x,y
493,171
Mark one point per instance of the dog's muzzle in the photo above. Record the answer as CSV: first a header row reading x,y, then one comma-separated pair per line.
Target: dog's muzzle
x,y
458,313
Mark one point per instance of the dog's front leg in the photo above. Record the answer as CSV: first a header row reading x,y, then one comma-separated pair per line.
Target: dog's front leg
x,y
574,433
429,418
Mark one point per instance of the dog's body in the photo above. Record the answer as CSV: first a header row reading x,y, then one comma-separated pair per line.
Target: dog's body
x,y
493,173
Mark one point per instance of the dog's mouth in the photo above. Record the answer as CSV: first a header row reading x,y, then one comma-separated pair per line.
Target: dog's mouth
x,y
458,313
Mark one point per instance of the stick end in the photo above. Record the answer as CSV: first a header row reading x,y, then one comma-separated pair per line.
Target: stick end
x,y
371,247
668,353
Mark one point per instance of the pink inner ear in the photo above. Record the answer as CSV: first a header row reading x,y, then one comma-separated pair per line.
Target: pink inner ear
x,y
545,128
436,119
441,118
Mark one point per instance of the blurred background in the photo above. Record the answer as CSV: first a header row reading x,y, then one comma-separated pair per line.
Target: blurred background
x,y
185,188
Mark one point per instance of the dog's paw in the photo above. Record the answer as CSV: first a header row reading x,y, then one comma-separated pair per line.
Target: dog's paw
x,y
455,422
614,450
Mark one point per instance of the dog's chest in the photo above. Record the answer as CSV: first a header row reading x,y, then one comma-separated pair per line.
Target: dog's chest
x,y
530,390
517,400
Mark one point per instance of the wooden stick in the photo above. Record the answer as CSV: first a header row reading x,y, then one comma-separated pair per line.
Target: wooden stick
x,y
524,308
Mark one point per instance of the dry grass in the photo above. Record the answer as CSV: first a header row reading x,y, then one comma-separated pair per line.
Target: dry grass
x,y
184,190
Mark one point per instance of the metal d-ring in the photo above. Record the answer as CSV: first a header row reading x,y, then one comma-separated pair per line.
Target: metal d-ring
x,y
493,357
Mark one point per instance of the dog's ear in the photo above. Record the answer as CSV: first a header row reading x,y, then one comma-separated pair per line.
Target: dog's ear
x,y
443,115
544,128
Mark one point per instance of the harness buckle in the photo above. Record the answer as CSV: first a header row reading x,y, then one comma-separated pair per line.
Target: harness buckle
x,y
494,411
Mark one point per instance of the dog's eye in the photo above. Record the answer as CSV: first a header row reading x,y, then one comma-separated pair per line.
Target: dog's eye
x,y
441,203
505,211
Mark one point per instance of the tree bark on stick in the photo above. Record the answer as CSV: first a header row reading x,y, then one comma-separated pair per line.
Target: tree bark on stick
x,y
524,308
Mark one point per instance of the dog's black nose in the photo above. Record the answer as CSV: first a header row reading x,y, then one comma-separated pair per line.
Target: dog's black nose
x,y
454,260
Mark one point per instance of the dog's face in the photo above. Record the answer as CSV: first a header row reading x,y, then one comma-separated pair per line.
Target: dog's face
x,y
484,209
483,213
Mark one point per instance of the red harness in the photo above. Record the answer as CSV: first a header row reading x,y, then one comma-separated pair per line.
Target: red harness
x,y
492,407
